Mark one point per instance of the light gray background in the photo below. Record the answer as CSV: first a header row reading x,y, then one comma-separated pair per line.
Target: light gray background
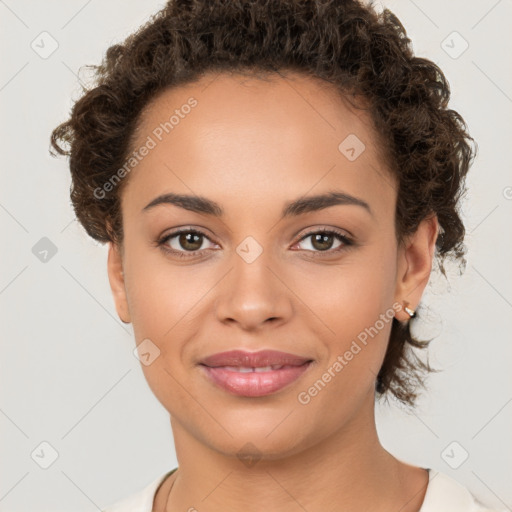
x,y
68,374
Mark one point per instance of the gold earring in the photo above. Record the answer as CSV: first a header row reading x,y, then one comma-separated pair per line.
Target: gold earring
x,y
408,310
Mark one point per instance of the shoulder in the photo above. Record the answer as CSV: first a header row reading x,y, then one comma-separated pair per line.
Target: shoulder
x,y
444,494
140,501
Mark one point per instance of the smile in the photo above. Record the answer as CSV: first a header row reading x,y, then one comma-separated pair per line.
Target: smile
x,y
254,381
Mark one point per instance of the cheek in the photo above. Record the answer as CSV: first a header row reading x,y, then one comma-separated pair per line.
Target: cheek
x,y
351,307
351,295
162,305
354,355
161,296
167,306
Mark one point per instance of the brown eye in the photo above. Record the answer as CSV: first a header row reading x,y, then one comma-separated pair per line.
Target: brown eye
x,y
322,241
190,241
325,241
185,242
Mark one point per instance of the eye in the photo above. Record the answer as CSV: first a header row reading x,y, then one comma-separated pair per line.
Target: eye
x,y
325,240
184,241
191,242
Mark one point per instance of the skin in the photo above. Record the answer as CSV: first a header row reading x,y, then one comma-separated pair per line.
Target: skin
x,y
253,146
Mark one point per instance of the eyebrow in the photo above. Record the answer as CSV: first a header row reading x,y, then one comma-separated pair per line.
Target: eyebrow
x,y
297,207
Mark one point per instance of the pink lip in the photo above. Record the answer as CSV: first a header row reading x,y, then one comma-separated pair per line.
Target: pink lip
x,y
253,359
254,384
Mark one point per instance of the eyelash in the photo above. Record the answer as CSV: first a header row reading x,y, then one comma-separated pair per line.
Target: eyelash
x,y
347,242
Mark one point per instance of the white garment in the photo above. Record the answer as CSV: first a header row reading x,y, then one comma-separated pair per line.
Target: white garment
x,y
444,494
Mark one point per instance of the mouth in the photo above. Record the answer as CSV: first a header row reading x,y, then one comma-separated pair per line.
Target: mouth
x,y
254,374
257,369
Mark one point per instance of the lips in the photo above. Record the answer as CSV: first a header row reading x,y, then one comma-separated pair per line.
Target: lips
x,y
262,359
254,374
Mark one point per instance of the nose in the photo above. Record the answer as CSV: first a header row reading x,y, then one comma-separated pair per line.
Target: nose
x,y
254,295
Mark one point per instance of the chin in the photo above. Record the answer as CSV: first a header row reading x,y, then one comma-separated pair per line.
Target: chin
x,y
250,450
266,441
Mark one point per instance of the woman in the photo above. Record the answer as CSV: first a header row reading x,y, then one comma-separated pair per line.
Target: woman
x,y
275,181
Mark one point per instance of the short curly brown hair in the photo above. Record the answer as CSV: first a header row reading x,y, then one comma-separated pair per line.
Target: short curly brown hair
x,y
360,51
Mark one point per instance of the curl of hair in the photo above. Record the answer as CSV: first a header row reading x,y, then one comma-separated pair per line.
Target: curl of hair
x,y
359,51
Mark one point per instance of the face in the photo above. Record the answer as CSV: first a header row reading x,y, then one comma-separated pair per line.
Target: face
x,y
258,264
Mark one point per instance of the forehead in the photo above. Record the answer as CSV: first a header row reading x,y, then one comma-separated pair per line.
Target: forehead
x,y
231,136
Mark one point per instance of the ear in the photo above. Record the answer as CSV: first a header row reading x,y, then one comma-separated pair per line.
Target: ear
x,y
117,283
415,265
